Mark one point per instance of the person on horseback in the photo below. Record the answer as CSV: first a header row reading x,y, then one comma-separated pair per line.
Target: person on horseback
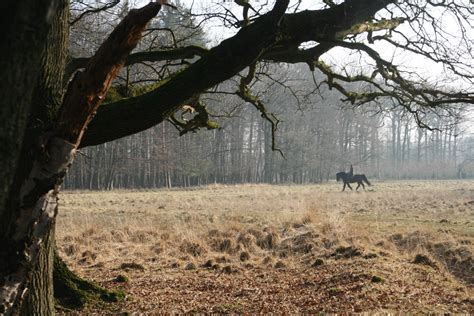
x,y
349,177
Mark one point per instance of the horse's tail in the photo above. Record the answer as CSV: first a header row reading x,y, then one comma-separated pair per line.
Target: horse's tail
x,y
364,178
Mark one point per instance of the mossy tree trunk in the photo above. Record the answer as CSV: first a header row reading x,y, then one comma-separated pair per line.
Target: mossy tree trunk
x,y
53,131
22,65
46,98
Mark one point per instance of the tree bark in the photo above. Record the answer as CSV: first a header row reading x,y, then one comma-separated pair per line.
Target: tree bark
x,y
40,300
20,63
46,100
31,217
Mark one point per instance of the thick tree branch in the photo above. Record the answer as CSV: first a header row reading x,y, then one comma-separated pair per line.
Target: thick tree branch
x,y
87,90
294,55
329,24
133,115
295,28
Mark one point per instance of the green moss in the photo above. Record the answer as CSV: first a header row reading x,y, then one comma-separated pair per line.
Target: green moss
x,y
212,124
318,262
121,278
135,91
324,66
72,292
334,291
113,95
228,308
376,279
117,93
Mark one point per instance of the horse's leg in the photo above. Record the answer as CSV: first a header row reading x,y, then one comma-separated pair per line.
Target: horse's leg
x,y
358,185
344,187
349,186
363,186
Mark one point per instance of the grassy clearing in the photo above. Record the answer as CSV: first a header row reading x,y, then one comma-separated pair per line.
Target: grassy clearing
x,y
401,246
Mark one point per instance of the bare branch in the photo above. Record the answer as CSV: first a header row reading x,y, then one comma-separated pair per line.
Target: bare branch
x,y
107,6
246,95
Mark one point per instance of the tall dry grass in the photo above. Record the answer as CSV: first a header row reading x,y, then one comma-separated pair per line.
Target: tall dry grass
x,y
264,225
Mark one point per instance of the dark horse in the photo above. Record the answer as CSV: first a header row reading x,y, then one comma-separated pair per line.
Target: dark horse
x,y
348,178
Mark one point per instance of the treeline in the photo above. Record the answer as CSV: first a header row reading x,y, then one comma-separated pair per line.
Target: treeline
x,y
317,138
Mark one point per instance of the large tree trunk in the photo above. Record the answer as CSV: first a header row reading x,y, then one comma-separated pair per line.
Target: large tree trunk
x,y
47,97
32,205
20,65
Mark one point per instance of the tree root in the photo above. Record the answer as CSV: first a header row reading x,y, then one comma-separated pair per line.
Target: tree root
x,y
73,292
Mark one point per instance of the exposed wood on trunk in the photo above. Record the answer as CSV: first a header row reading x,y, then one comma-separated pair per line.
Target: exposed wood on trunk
x,y
87,90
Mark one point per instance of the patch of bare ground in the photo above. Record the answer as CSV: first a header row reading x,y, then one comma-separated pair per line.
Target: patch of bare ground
x,y
401,247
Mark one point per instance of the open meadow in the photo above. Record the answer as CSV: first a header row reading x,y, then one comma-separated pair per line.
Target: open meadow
x,y
399,246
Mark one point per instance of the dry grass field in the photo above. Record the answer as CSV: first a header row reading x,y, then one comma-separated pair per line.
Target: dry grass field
x,y
400,246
